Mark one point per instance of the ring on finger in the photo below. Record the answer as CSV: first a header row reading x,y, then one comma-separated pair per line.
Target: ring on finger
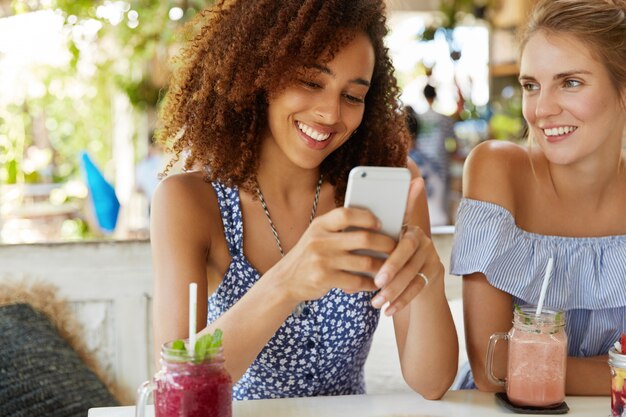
x,y
424,277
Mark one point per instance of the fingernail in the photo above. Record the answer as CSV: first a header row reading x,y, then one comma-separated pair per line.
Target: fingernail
x,y
378,301
381,279
390,311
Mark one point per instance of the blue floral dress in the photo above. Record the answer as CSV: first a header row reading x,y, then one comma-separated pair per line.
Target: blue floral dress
x,y
320,352
588,278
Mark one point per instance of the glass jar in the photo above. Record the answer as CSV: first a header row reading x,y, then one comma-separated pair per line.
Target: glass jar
x,y
185,387
537,358
617,362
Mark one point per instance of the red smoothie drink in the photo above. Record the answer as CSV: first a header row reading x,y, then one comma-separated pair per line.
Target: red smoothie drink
x,y
193,390
190,383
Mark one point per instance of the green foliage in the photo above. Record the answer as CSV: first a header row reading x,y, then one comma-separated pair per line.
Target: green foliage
x,y
109,55
131,58
453,10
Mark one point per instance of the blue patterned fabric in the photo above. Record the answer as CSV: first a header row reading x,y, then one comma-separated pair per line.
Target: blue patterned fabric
x,y
588,279
320,352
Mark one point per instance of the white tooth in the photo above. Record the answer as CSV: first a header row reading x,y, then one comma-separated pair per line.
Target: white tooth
x,y
308,130
561,131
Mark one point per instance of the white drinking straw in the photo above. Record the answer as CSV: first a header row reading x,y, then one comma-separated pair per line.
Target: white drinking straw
x,y
193,291
544,286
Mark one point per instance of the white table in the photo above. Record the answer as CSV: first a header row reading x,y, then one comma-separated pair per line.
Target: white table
x,y
469,403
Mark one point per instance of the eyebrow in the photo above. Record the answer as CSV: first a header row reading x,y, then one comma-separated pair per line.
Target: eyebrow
x,y
557,76
326,70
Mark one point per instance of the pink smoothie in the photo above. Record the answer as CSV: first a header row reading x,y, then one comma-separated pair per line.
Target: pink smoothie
x,y
193,390
536,371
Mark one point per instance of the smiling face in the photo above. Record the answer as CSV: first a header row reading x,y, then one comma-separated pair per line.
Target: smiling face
x,y
569,102
311,118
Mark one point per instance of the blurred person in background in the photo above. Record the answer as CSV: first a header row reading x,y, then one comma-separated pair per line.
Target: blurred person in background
x,y
430,153
148,169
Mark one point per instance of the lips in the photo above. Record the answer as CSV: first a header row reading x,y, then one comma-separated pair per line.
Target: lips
x,y
558,133
313,133
312,137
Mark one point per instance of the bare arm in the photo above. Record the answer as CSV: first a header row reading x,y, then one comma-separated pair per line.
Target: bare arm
x,y
588,376
179,254
425,332
486,310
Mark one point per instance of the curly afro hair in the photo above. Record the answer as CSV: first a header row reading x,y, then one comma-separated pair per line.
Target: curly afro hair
x,y
240,52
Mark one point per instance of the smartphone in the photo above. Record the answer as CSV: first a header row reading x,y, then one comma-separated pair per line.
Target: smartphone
x,y
383,191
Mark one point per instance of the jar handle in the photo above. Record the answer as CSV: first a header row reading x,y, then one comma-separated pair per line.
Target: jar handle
x,y
489,365
143,392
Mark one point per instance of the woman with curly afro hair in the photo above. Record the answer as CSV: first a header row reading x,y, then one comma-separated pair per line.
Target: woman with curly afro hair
x,y
272,103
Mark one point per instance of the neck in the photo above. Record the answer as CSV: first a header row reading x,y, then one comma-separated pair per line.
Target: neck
x,y
591,182
280,179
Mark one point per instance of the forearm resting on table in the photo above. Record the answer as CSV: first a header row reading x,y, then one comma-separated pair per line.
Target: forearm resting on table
x,y
588,376
584,376
249,325
429,352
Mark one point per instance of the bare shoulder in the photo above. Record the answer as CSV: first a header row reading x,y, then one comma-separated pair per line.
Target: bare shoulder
x,y
492,172
188,190
181,184
186,202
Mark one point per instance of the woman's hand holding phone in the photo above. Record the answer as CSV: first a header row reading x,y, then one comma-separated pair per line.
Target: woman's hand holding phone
x,y
325,253
336,252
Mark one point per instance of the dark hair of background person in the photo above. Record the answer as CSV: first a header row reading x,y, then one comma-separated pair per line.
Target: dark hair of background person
x,y
412,121
599,24
430,92
241,52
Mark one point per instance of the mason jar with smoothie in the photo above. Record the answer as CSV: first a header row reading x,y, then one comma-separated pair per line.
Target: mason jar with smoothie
x,y
189,383
537,358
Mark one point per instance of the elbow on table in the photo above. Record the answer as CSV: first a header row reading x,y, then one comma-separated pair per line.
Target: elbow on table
x,y
483,384
432,388
431,392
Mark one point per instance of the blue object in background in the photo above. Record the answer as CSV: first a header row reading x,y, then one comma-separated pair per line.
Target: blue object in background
x,y
105,202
